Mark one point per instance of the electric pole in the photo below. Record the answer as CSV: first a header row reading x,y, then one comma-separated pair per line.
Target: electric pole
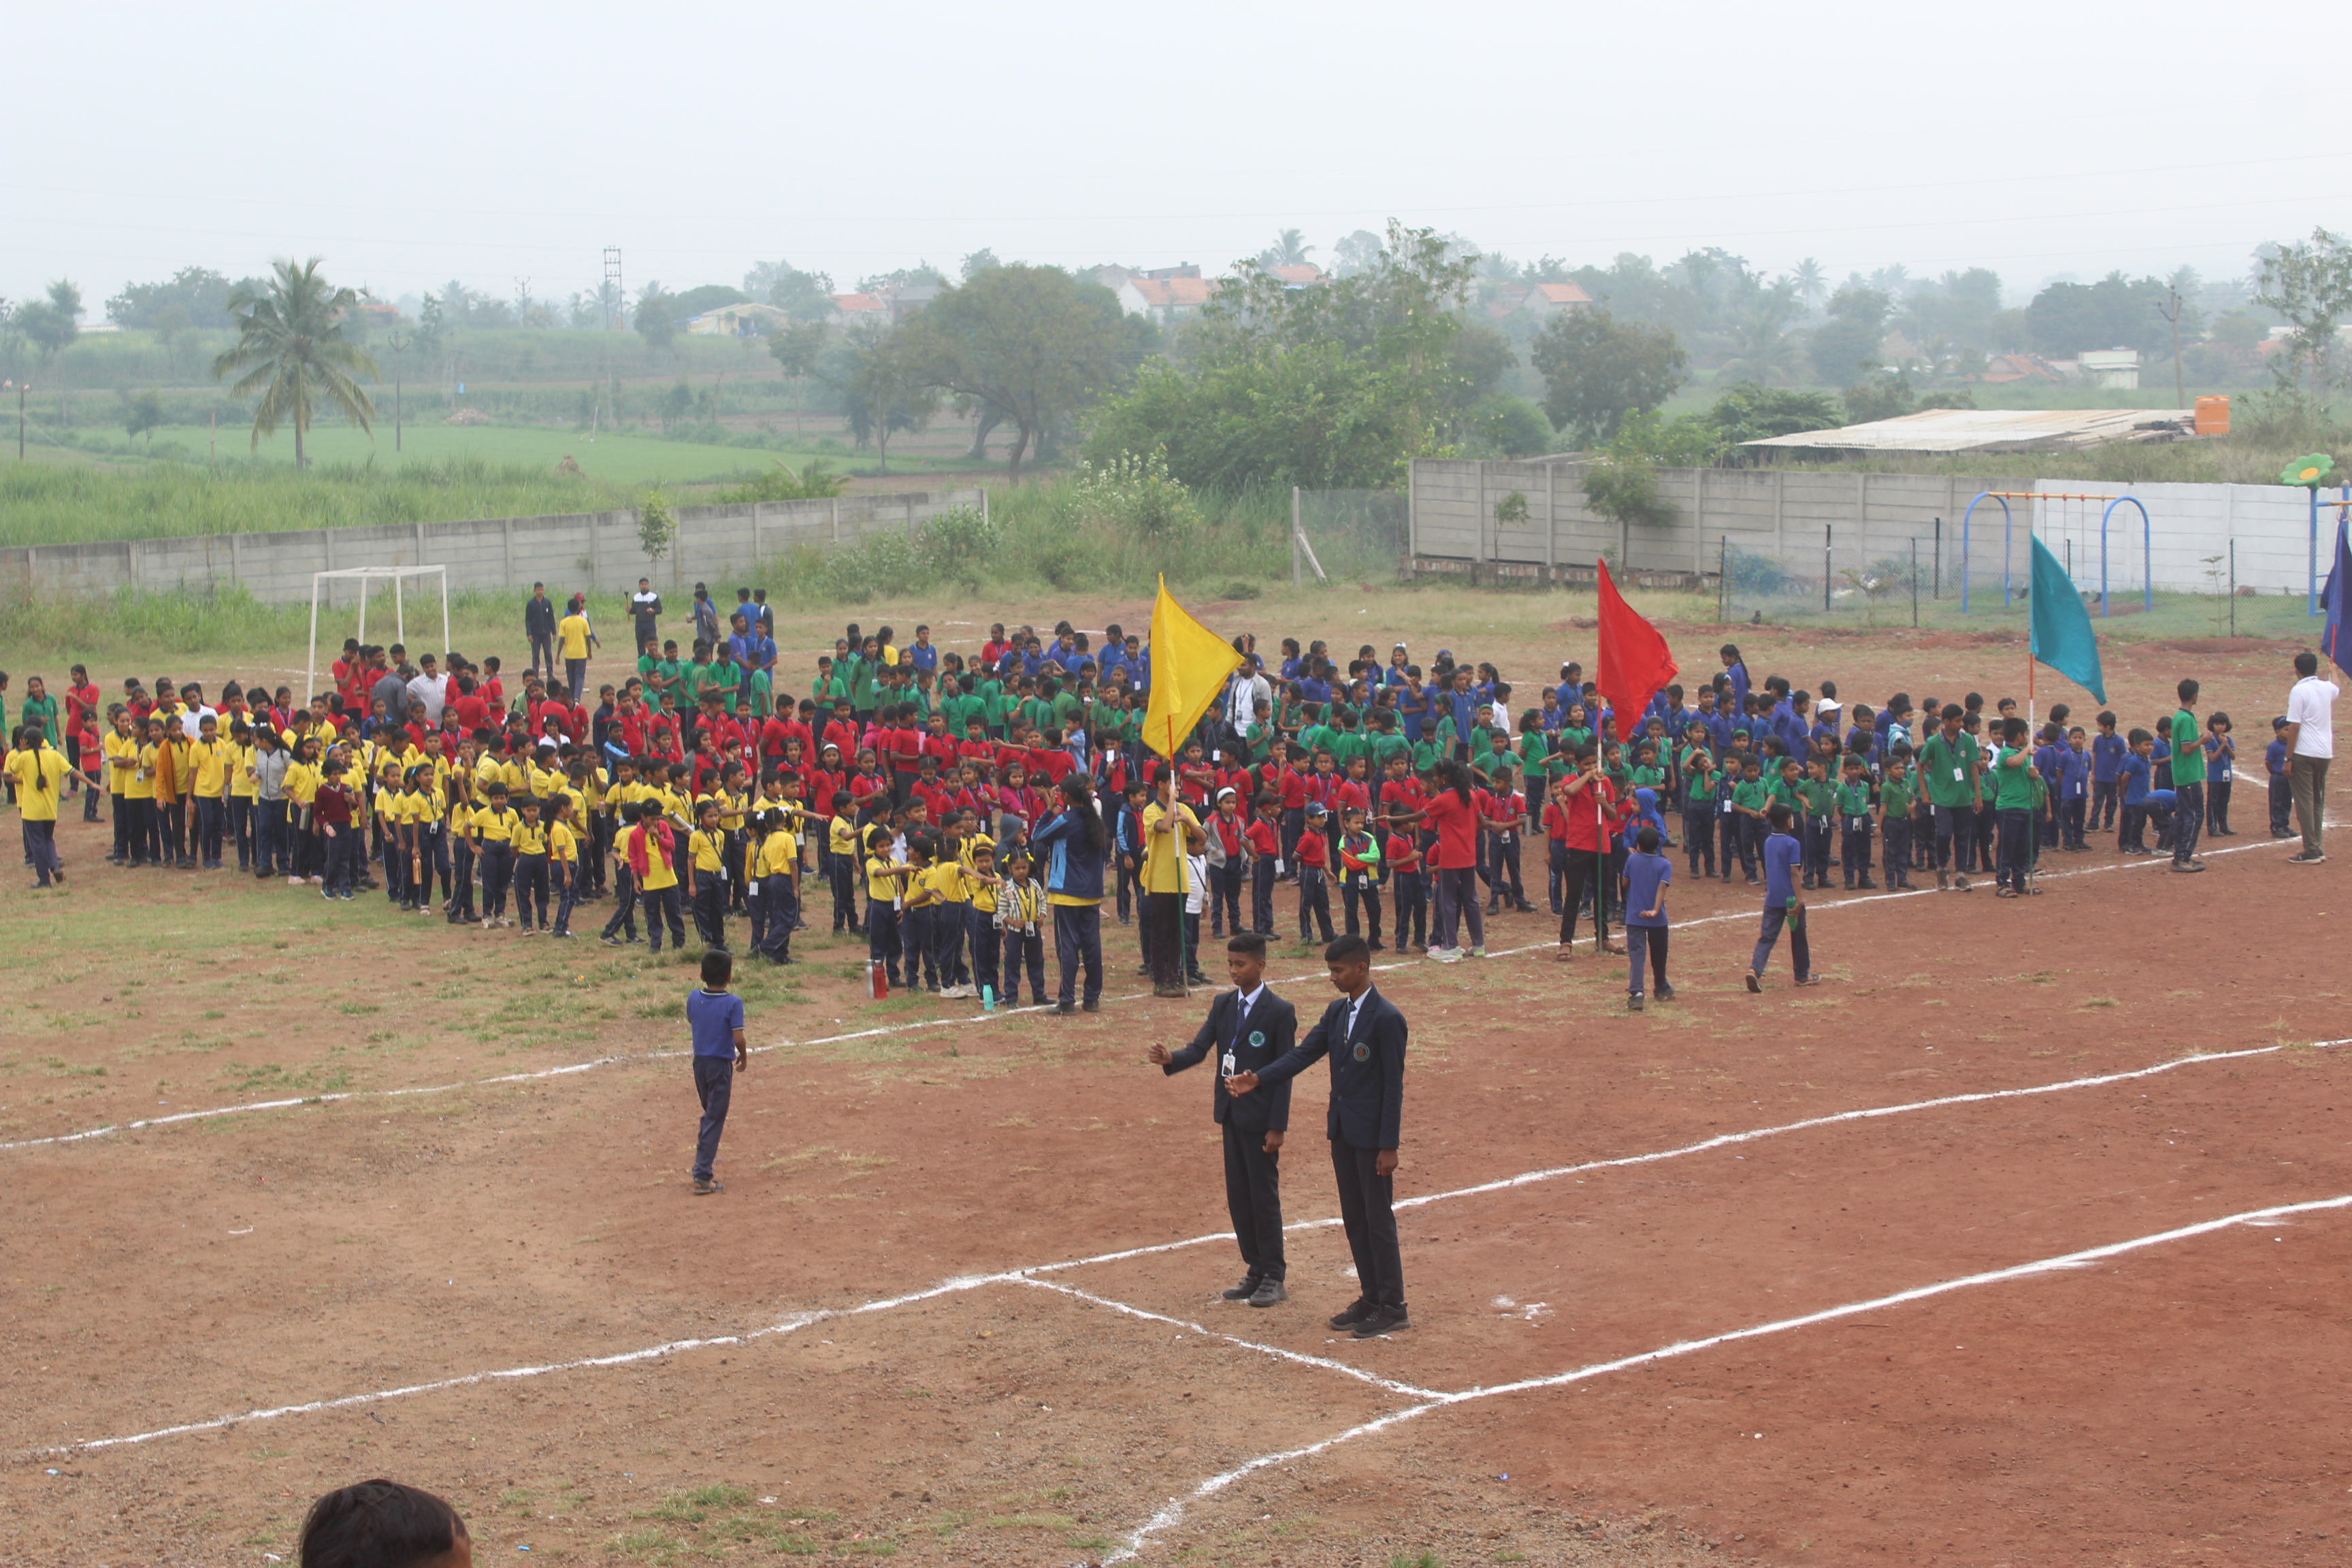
x,y
399,341
2170,312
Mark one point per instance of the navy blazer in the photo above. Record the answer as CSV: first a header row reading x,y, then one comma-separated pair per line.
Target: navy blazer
x,y
1367,1071
1265,1036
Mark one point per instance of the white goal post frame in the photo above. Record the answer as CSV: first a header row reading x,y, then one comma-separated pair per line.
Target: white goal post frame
x,y
366,577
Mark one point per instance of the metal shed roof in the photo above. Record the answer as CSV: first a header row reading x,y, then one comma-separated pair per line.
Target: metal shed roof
x,y
1993,430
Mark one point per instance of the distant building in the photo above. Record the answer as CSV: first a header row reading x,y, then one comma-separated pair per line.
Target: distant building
x,y
1300,277
2001,368
740,321
1110,276
2114,368
1543,299
1166,301
849,309
905,298
1182,269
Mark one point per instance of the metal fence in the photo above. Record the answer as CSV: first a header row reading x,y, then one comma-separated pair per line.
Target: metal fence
x,y
1347,535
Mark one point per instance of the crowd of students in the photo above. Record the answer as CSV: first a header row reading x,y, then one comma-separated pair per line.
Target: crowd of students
x,y
946,807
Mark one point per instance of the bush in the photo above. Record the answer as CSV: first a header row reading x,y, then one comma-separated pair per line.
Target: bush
x,y
1135,493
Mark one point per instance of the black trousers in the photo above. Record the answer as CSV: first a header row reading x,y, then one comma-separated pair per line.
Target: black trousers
x,y
1163,940
1253,1198
1368,1208
714,1085
1078,942
1585,865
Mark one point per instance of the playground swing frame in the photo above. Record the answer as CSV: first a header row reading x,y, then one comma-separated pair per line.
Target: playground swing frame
x,y
2008,533
367,577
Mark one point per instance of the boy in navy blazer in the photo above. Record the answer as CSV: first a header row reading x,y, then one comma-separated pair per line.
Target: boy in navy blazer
x,y
1364,1035
1249,1028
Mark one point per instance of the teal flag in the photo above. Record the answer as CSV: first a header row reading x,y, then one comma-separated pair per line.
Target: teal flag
x,y
2062,638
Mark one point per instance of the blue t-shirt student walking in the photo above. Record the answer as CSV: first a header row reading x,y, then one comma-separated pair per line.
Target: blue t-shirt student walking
x,y
1783,904
715,1016
1646,876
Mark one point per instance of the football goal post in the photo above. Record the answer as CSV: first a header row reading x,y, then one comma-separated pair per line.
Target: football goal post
x,y
367,577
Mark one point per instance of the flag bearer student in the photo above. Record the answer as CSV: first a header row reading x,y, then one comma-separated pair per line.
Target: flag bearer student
x,y
1249,1029
1587,799
2014,780
1365,1037
1021,927
1854,818
715,1017
1784,904
1643,887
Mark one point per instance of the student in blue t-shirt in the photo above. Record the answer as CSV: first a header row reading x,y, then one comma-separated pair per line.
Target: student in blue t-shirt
x,y
1783,904
2108,751
2139,801
2281,796
1643,895
715,1016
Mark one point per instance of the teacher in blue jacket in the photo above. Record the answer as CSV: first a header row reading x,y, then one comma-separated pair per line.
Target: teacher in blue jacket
x,y
1364,1037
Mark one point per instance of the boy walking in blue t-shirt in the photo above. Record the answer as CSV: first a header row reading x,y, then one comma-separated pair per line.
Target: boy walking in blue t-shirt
x,y
1642,892
715,1016
1783,904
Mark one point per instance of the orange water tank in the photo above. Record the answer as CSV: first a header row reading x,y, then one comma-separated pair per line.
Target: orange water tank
x,y
2213,416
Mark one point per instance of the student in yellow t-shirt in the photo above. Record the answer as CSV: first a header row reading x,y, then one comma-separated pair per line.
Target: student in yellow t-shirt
x,y
38,771
494,828
951,922
422,800
147,827
980,876
388,805
121,749
840,865
888,885
576,637
458,827
919,932
300,788
530,839
564,859
705,853
243,826
648,851
772,881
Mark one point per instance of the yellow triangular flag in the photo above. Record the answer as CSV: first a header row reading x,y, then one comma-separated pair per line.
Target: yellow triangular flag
x,y
1189,666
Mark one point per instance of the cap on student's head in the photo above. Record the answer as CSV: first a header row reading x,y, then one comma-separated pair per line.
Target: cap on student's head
x,y
1316,810
2280,722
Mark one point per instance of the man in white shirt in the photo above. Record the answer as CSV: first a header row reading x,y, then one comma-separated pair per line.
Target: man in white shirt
x,y
430,688
2310,737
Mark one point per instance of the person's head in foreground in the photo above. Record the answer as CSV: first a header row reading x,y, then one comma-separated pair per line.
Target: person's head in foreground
x,y
383,1524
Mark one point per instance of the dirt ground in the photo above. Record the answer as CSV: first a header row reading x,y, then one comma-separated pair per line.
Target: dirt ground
x,y
900,1334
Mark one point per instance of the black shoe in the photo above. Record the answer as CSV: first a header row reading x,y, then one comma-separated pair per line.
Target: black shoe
x,y
1245,1290
1382,1320
1268,1293
1063,1009
1094,1006
1355,1314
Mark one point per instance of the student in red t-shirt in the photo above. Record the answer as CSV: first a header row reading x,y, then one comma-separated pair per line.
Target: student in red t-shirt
x,y
1314,861
1588,801
1408,882
1264,840
1452,815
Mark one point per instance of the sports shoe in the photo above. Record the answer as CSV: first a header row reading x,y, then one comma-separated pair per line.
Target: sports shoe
x,y
2188,868
1355,1314
2307,859
1960,884
1665,993
1382,1320
1245,1289
1477,952
1755,984
704,1186
1633,1002
1268,1293
1446,954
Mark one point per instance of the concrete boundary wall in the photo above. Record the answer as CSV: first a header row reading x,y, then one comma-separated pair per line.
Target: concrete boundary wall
x,y
579,552
1867,518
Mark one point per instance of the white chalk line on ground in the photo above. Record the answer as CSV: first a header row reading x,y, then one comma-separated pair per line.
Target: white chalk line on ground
x,y
1022,1275
1168,1517
249,1107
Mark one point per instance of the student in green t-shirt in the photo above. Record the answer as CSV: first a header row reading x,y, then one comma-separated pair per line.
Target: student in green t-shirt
x,y
1853,824
1749,798
2188,780
1950,770
1894,798
1819,796
2012,800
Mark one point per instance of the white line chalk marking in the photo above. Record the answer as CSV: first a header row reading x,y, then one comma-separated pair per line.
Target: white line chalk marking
x,y
1021,1275
1172,1514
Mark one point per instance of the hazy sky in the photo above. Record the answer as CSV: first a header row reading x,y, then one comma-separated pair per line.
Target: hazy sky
x,y
414,144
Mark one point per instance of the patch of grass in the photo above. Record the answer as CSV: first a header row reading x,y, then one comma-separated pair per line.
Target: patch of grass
x,y
2090,1001
350,1009
694,1507
647,1546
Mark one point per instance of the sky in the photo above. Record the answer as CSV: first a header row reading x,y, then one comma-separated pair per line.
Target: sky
x,y
506,142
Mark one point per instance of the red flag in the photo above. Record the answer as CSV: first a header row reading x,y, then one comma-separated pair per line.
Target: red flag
x,y
1634,663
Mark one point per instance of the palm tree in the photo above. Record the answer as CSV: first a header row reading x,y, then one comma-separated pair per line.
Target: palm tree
x,y
1812,283
1290,249
290,347
1762,354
